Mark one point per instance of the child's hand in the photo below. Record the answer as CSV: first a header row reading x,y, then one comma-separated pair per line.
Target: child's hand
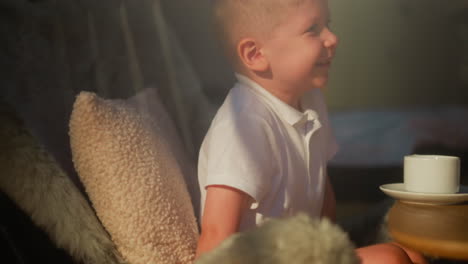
x,y
221,217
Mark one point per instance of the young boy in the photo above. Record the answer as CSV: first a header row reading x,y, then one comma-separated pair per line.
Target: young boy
x,y
266,152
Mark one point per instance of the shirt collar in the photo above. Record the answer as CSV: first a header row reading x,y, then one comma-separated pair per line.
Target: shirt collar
x,y
288,113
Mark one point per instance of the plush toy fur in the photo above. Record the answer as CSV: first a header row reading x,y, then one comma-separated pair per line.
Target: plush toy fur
x,y
297,240
34,181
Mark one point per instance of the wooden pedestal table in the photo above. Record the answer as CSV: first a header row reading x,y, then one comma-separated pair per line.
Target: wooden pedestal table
x,y
434,230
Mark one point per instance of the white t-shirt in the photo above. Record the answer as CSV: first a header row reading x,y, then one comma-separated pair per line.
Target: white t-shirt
x,y
274,153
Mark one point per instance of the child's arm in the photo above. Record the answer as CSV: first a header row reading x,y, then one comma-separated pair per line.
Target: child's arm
x,y
329,203
221,217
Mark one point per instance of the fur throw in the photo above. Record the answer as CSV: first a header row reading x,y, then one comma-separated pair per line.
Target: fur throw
x,y
34,181
299,240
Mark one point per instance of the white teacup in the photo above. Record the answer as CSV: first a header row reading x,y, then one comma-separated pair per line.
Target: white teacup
x,y
432,174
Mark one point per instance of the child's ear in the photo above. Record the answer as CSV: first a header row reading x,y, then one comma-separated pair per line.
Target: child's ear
x,y
251,55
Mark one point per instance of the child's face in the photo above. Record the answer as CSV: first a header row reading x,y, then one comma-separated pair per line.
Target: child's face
x,y
302,47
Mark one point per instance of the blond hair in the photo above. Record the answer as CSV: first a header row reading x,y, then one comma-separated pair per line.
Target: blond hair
x,y
234,20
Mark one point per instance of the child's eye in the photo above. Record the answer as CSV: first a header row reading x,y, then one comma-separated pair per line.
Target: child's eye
x,y
313,28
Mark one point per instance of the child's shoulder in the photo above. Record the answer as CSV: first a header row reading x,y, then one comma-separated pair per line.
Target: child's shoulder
x,y
241,106
243,124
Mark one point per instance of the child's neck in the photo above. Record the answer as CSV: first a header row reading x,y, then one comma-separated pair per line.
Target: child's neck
x,y
289,96
285,96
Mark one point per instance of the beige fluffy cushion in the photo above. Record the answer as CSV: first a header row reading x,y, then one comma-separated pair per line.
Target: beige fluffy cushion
x,y
133,180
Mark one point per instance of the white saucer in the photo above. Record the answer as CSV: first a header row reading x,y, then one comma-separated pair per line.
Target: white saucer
x,y
398,191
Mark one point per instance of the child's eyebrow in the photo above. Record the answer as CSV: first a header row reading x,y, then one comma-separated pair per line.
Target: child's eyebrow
x,y
312,20
318,20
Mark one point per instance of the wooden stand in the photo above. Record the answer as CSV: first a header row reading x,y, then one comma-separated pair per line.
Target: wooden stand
x,y
434,230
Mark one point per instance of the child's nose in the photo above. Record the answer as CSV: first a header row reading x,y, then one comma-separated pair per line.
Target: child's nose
x,y
330,39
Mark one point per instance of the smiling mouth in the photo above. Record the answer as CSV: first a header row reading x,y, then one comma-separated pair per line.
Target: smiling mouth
x,y
324,63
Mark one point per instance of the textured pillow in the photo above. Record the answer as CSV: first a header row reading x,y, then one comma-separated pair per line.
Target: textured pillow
x,y
147,102
133,180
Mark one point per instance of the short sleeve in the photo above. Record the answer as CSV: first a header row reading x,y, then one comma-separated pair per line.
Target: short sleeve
x,y
239,155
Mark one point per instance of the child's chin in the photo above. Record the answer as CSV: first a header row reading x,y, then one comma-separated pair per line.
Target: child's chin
x,y
320,82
